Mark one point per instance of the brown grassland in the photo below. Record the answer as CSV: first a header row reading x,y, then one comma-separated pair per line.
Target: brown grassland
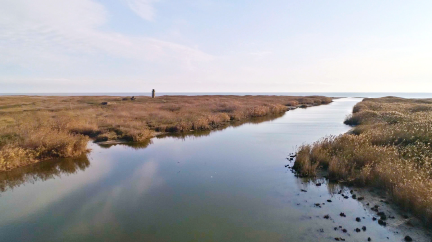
x,y
34,128
390,148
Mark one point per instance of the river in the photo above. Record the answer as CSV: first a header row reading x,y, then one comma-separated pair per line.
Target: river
x,y
227,185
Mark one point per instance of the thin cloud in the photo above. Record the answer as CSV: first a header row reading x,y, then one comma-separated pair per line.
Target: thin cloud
x,y
143,8
65,35
261,53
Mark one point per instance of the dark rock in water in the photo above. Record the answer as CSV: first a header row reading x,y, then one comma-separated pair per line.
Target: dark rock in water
x,y
303,190
369,239
340,192
382,215
373,218
357,230
346,197
318,184
335,228
360,198
358,219
329,201
351,191
364,228
317,205
407,238
354,196
326,216
342,214
321,230
339,239
381,222
344,230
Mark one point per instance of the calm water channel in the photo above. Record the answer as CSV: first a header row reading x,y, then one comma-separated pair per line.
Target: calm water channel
x,y
230,185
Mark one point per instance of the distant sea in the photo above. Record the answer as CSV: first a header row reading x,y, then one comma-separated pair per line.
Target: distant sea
x,y
328,94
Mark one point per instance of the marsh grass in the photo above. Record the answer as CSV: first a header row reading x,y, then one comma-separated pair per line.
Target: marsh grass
x,y
34,128
391,148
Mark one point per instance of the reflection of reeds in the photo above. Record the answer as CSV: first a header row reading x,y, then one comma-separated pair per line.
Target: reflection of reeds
x,y
233,123
37,128
133,145
390,148
42,171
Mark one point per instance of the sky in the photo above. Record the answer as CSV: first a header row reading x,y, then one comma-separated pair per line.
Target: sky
x,y
215,46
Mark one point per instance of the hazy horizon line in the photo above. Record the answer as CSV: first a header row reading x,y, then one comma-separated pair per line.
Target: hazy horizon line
x,y
1,93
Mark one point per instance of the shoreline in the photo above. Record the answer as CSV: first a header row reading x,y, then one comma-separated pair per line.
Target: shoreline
x,y
314,214
367,157
199,132
346,221
35,128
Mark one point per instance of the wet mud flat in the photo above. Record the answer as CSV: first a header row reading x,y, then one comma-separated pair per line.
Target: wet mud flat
x,y
346,213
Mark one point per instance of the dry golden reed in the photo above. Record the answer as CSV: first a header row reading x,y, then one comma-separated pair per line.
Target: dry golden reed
x,y
34,128
391,148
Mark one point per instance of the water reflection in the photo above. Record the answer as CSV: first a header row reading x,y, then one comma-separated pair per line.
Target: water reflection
x,y
57,167
228,186
197,134
134,145
42,171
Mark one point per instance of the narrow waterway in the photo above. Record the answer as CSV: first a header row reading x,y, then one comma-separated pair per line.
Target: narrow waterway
x,y
229,185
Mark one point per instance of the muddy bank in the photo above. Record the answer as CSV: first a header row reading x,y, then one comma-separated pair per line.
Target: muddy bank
x,y
347,213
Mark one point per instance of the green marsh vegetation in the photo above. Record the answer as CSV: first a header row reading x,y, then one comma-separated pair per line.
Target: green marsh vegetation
x,y
35,128
390,147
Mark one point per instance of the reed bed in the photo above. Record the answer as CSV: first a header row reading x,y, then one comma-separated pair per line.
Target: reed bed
x,y
390,147
35,128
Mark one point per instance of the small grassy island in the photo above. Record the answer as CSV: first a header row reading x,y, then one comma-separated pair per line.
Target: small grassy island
x,y
35,128
390,147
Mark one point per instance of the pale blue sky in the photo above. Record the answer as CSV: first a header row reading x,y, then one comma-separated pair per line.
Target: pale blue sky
x,y
215,46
